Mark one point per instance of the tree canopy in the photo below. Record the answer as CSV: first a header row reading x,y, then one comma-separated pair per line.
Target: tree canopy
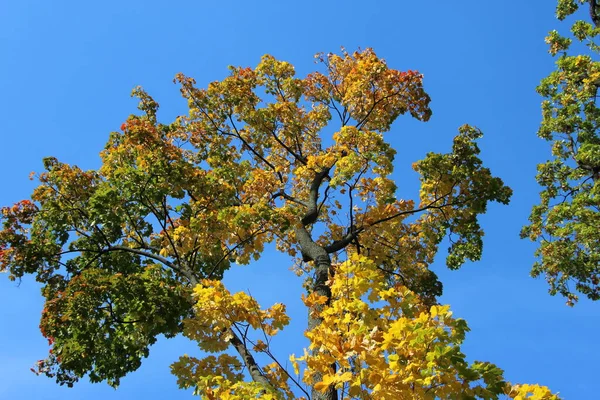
x,y
565,222
137,248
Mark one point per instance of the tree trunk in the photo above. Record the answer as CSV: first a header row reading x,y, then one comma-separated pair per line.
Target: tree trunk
x,y
313,252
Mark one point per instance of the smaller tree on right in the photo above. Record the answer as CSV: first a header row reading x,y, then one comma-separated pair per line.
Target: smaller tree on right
x,y
566,222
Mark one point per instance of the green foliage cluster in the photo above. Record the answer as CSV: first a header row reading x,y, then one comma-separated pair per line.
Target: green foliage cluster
x,y
566,221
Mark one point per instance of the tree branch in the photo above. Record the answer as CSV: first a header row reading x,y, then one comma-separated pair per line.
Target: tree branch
x,y
180,269
252,149
253,368
338,245
296,156
286,196
313,210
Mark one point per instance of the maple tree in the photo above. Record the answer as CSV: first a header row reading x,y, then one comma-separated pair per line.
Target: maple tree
x,y
565,223
138,247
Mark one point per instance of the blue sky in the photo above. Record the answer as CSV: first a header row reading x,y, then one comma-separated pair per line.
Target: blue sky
x,y
68,68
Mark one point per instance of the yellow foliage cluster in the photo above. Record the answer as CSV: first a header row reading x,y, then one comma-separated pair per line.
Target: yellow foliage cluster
x,y
217,310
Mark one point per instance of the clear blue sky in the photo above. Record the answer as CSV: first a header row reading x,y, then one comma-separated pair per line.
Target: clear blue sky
x,y
68,68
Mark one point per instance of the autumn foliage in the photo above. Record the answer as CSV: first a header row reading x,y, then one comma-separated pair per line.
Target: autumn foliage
x,y
138,248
